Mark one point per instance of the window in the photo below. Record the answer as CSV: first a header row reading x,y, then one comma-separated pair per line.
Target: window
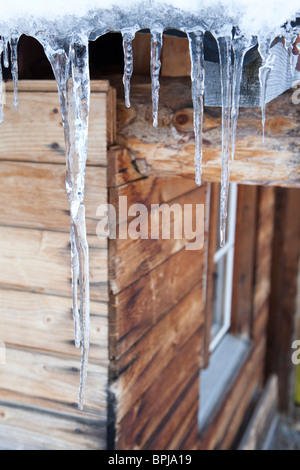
x,y
226,351
223,276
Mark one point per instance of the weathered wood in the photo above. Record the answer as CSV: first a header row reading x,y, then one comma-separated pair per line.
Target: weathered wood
x,y
28,429
132,259
265,231
212,247
39,261
121,168
34,131
237,397
137,369
175,57
264,414
34,196
50,382
169,149
283,300
160,400
140,306
244,264
45,322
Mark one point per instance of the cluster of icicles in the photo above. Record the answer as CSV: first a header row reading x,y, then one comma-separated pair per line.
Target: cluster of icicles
x,y
69,60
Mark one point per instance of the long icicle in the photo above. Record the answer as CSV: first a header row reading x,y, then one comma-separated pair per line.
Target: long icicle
x,y
2,95
224,45
14,66
264,73
156,46
128,36
198,87
5,53
69,60
240,46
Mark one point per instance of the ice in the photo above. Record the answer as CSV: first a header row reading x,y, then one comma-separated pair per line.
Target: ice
x,y
69,60
240,46
264,44
156,46
14,66
5,53
198,88
224,45
128,36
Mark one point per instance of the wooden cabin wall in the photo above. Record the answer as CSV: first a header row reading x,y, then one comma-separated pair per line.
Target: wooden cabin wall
x,y
253,255
282,327
39,382
157,313
156,326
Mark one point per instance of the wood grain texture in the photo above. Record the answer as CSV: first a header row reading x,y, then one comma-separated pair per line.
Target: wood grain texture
x,y
212,247
38,127
244,264
224,426
156,317
33,195
39,261
39,383
169,149
50,382
27,429
30,320
139,307
131,259
283,300
137,369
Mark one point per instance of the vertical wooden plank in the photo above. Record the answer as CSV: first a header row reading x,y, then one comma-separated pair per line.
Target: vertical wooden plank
x,y
244,260
285,264
212,242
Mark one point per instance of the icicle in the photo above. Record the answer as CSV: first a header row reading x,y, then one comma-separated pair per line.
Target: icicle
x,y
264,73
75,278
240,47
69,60
14,66
128,36
156,46
1,86
5,53
197,77
224,45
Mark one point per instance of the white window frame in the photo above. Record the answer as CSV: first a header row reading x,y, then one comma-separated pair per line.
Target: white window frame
x,y
227,251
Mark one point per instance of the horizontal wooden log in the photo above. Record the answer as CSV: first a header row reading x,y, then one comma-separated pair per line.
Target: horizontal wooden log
x,y
34,131
50,382
170,148
29,429
39,261
34,196
31,320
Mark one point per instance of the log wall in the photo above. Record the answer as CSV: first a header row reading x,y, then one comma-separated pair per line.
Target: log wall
x,y
39,382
